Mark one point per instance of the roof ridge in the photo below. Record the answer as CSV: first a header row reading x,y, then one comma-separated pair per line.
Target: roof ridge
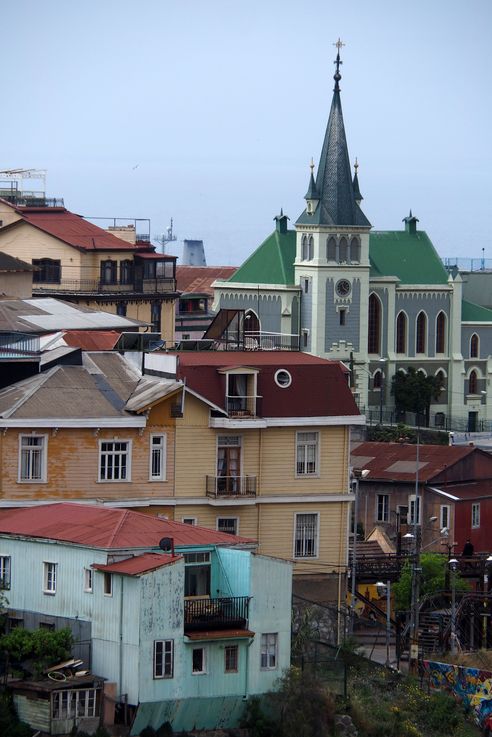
x,y
125,512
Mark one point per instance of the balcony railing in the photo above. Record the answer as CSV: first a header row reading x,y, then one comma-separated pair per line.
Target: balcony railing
x,y
216,614
241,406
96,286
231,486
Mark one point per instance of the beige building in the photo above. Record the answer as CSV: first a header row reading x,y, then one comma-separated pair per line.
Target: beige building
x,y
116,270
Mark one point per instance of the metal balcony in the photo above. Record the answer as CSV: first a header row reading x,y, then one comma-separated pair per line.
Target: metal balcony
x,y
96,286
231,486
216,614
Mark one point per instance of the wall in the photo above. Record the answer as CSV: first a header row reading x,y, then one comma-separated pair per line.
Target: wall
x,y
16,284
469,686
27,243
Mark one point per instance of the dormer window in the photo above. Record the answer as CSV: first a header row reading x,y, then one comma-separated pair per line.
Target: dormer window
x,y
241,392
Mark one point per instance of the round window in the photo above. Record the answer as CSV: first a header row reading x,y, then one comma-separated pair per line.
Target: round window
x,y
283,378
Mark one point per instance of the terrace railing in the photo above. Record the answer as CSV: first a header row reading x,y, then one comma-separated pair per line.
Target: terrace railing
x,y
230,486
215,614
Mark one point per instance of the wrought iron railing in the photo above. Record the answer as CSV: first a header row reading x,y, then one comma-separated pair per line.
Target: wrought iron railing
x,y
230,486
96,286
224,613
241,406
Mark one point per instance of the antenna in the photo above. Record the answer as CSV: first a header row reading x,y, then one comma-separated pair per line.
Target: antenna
x,y
167,237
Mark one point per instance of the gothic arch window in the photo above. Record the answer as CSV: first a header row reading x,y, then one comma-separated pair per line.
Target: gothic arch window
x,y
474,346
473,382
377,379
441,333
331,249
251,323
441,379
355,249
374,326
343,251
310,248
421,333
401,332
304,248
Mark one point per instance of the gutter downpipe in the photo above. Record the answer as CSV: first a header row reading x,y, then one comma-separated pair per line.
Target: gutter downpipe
x,y
121,638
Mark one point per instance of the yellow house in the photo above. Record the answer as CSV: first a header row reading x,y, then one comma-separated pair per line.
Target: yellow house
x,y
116,270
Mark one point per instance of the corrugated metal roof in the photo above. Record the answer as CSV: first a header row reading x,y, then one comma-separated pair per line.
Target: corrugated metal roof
x,y
397,461
471,490
139,564
199,279
93,340
100,527
10,263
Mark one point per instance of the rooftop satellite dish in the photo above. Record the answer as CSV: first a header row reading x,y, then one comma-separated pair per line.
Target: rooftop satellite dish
x,y
166,544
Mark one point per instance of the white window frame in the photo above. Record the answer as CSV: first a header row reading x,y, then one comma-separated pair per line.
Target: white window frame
x,y
384,517
50,576
475,515
88,580
445,516
113,453
236,649
192,521
163,659
304,445
269,651
161,450
411,510
29,479
67,704
5,572
107,583
305,542
203,671
226,517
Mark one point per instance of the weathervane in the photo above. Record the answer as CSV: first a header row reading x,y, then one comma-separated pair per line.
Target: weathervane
x,y
337,76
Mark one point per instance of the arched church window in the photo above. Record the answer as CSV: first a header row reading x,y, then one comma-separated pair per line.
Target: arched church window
x,y
401,333
304,248
331,249
343,251
441,333
310,248
421,334
374,326
474,346
473,382
355,250
377,379
441,379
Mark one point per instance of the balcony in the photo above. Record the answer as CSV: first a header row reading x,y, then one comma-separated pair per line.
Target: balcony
x,y
96,286
219,487
241,406
216,614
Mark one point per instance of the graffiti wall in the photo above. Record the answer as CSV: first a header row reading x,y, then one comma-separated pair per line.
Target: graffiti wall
x,y
471,686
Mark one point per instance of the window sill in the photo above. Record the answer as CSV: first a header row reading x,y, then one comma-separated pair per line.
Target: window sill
x,y
32,481
114,481
49,593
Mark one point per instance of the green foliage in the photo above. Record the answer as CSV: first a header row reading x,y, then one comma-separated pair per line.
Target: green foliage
x,y
44,647
402,432
256,721
10,726
432,579
305,707
414,392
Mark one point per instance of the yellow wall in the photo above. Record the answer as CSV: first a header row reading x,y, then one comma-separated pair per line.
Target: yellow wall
x,y
8,214
28,243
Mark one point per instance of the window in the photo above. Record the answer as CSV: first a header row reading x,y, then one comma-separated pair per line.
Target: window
x,y
441,379
377,379
305,338
197,574
121,309
157,471
231,653
198,660
355,250
189,520
342,316
32,458
49,626
421,333
228,524
374,326
343,251
283,378
107,584
88,580
441,333
401,333
71,704
155,316
307,453
268,651
114,460
126,272
229,464
109,272
306,535
150,270
331,249
4,572
49,577
411,505
49,271
304,248
473,383
475,521
474,346
382,511
306,286
163,658
444,517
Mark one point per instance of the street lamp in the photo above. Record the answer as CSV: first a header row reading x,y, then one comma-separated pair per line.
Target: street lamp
x,y
453,564
357,475
385,588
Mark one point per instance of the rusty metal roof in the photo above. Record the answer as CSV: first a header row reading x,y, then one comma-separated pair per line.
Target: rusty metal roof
x,y
138,564
99,527
199,279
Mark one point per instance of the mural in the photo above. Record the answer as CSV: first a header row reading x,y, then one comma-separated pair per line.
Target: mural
x,y
470,686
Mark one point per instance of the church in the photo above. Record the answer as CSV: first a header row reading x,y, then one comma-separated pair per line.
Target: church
x,y
381,301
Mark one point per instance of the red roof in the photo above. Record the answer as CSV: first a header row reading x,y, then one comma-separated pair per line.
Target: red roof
x,y
471,490
74,230
199,279
100,527
138,564
92,340
318,388
397,461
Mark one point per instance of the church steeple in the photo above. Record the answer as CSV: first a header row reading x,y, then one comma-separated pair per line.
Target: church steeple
x,y
334,186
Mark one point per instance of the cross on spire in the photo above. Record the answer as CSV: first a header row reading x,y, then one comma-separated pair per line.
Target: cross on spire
x,y
337,76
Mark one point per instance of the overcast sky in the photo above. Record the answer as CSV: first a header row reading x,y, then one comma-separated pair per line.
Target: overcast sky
x,y
220,104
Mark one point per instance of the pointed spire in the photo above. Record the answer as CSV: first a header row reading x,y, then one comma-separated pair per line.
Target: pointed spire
x,y
312,193
355,184
281,221
411,223
334,185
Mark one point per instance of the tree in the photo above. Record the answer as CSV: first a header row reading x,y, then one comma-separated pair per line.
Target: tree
x,y
414,392
432,579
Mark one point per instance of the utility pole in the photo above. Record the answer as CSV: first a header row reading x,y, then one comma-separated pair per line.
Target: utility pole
x,y
414,613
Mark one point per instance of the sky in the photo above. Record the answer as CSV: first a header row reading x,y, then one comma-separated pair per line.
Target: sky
x,y
209,112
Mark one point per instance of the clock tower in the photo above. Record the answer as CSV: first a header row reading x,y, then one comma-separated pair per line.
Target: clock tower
x,y
332,251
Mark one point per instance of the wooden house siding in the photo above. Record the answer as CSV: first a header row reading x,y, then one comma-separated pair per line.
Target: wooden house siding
x,y
206,516
26,243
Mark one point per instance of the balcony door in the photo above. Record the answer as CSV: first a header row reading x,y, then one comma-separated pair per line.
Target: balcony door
x,y
229,464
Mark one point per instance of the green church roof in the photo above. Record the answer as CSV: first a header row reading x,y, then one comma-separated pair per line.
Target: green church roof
x,y
272,262
474,313
409,256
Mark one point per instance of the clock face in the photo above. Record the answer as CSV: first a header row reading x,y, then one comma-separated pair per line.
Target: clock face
x,y
343,288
